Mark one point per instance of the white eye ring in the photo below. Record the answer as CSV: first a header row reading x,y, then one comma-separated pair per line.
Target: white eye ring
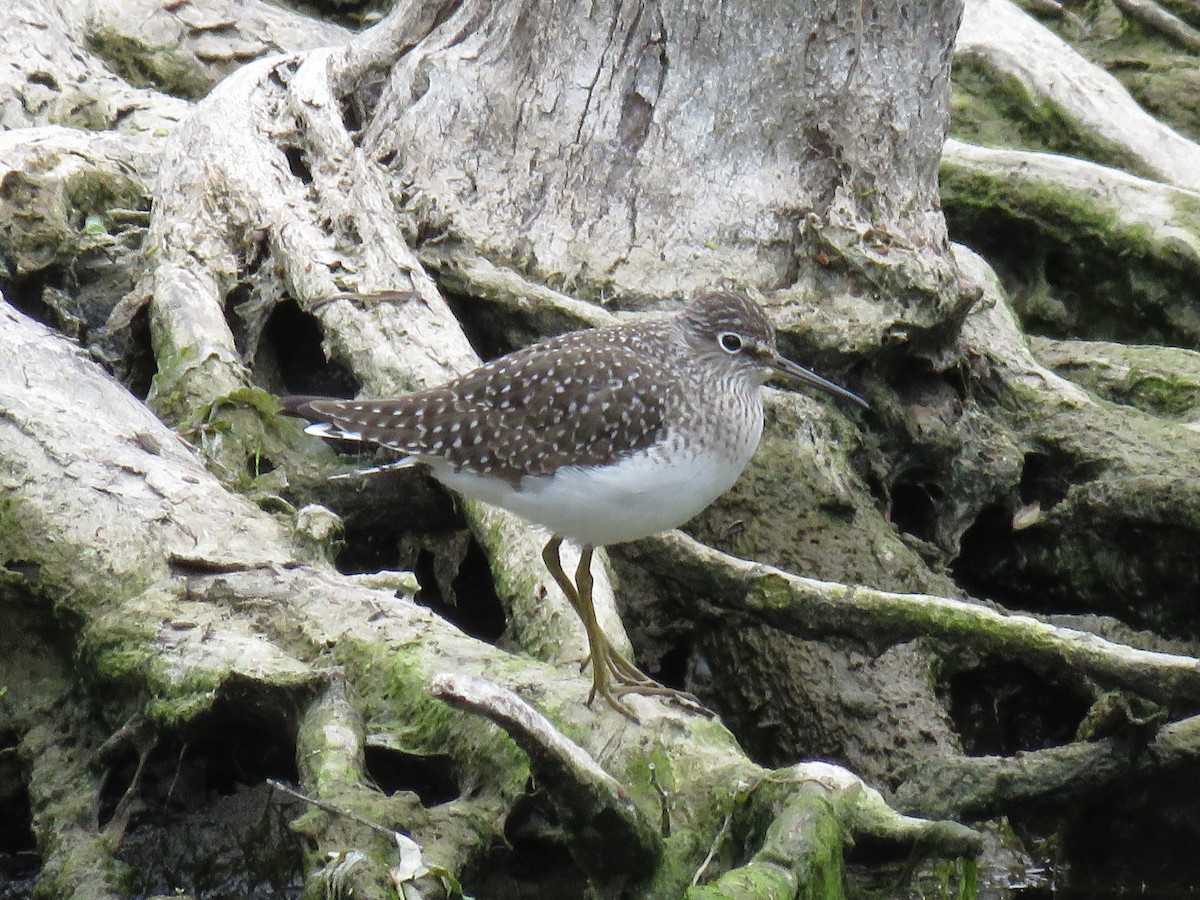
x,y
730,341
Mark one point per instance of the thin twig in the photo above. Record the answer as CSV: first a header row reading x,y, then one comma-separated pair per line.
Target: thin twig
x,y
712,850
332,810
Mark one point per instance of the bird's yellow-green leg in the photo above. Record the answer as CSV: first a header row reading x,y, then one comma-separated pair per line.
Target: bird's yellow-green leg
x,y
618,664
630,679
598,647
554,563
602,655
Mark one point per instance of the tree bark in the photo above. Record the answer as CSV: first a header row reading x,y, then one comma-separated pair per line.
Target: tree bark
x,y
221,203
188,593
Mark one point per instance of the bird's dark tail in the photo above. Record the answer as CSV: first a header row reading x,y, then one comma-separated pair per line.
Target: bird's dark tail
x,y
301,405
384,422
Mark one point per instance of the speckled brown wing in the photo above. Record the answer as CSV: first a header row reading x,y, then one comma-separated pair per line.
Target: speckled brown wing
x,y
528,413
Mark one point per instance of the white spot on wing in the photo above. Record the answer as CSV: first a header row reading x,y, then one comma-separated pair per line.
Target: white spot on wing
x,y
334,432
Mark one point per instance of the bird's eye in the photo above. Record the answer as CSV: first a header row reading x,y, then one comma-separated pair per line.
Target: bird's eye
x,y
730,342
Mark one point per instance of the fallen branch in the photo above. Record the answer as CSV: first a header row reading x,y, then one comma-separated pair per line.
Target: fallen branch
x,y
970,787
610,835
810,608
1150,13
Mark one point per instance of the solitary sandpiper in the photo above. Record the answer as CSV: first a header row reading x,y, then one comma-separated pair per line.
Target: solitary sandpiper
x,y
601,436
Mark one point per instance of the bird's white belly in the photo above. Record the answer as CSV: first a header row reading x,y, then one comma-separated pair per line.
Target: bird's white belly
x,y
643,494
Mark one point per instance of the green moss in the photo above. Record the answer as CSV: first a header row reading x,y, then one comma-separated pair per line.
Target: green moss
x,y
94,195
168,396
119,645
825,843
120,662
1071,267
753,883
391,694
416,722
178,709
1186,208
771,591
242,436
122,653
1161,393
802,849
1000,113
144,65
1054,211
968,878
946,879
995,110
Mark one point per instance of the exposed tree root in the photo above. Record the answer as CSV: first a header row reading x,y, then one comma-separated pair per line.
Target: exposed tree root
x,y
218,604
1000,37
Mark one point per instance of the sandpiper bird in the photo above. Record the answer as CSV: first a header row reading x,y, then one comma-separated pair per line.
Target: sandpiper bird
x,y
602,436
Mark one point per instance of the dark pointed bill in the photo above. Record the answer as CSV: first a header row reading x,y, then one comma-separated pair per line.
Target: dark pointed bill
x,y
797,371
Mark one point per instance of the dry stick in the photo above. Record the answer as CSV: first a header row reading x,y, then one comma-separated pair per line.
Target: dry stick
x,y
390,833
115,829
714,847
581,791
1150,13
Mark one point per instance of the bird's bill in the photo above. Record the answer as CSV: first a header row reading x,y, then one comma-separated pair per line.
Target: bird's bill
x,y
795,370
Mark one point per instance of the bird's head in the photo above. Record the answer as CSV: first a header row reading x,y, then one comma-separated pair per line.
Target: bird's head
x,y
732,331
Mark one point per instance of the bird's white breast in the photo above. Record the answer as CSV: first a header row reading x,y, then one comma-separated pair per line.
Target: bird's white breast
x,y
645,493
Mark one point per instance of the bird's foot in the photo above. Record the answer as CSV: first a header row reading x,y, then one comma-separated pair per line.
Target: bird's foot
x,y
651,688
610,696
621,677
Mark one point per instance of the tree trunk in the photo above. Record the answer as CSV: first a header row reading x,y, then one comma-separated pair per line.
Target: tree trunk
x,y
643,151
